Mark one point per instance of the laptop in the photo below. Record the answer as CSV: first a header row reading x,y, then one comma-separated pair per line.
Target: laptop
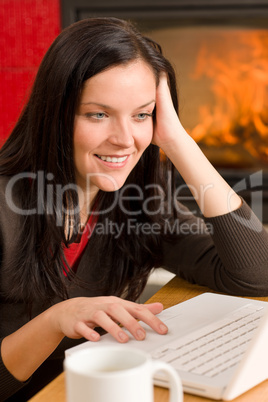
x,y
217,343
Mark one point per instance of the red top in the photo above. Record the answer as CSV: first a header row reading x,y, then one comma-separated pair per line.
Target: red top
x,y
74,252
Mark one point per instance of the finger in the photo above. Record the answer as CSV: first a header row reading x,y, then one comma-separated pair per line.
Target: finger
x,y
143,313
86,332
163,94
163,77
146,313
127,320
109,325
155,308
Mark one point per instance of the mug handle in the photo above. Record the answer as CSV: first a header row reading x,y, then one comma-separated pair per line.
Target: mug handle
x,y
175,388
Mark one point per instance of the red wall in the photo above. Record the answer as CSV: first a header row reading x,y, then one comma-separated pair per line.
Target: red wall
x,y
27,28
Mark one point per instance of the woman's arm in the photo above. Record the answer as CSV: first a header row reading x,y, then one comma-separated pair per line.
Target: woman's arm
x,y
227,253
213,195
230,252
26,349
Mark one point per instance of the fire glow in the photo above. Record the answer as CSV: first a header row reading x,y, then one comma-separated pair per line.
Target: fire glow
x,y
238,119
223,90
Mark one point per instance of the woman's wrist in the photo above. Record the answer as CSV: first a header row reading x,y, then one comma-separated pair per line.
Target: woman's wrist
x,y
177,145
213,195
24,350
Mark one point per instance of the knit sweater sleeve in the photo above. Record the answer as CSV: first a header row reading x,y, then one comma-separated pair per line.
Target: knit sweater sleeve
x,y
228,253
8,383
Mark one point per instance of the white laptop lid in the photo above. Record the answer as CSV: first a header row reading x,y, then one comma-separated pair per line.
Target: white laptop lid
x,y
253,368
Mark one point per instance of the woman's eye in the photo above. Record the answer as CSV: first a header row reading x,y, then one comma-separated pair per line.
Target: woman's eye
x,y
97,116
144,116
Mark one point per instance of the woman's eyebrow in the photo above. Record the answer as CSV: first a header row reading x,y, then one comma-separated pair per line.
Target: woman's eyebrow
x,y
110,107
146,104
96,104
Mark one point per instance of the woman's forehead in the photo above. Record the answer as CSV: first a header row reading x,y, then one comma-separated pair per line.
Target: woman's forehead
x,y
136,78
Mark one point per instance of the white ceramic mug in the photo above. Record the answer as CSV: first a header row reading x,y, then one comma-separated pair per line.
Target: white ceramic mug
x,y
114,374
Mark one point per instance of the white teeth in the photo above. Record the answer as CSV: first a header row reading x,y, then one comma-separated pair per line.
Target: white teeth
x,y
112,159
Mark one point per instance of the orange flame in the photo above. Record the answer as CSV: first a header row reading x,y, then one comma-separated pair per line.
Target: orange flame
x,y
239,79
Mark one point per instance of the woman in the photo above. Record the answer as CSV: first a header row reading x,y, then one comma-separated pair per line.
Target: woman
x,y
88,210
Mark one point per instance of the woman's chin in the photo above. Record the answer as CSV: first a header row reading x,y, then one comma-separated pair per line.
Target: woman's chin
x,y
110,186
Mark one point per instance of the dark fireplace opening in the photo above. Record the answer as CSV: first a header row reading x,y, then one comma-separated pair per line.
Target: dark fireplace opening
x,y
219,49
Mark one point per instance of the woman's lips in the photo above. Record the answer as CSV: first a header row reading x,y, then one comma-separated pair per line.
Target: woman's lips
x,y
112,160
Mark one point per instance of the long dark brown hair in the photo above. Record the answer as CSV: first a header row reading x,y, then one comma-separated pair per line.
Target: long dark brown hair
x,y
42,141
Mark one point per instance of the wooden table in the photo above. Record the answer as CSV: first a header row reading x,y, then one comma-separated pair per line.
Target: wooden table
x,y
176,291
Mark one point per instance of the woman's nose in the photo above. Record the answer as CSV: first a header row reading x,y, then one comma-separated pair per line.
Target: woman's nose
x,y
122,135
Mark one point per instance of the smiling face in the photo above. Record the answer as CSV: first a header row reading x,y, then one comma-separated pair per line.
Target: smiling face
x,y
113,125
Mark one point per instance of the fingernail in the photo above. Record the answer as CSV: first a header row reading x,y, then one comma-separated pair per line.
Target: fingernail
x,y
122,336
140,334
163,328
94,336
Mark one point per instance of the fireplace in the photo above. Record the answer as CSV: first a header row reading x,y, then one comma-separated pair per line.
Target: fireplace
x,y
219,49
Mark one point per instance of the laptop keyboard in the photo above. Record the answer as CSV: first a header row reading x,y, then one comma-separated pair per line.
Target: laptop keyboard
x,y
215,348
